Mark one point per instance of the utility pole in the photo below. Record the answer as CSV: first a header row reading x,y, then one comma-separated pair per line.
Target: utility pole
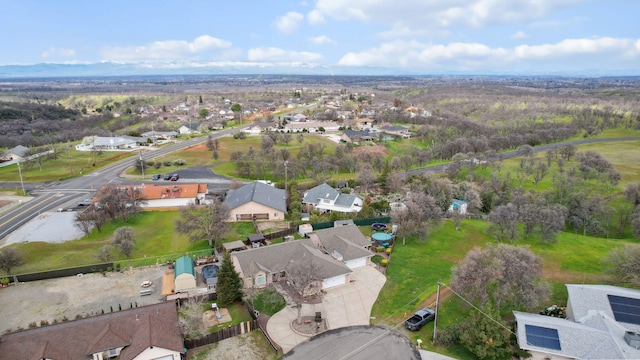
x,y
24,193
286,177
435,320
141,163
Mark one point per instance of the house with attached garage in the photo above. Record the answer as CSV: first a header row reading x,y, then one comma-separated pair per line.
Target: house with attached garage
x,y
141,333
256,201
335,252
325,198
603,322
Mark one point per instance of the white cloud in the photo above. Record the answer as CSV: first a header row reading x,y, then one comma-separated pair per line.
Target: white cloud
x,y
519,35
315,17
53,52
322,39
436,15
166,50
289,22
278,54
457,56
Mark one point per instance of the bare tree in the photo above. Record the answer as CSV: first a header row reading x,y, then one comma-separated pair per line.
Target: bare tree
x,y
124,239
624,264
366,176
191,324
503,275
504,222
9,259
104,254
302,274
411,221
119,202
208,222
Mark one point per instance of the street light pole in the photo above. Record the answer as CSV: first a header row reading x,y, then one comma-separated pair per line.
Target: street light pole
x,y
24,193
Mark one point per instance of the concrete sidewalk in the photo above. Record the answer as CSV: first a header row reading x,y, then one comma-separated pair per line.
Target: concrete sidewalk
x,y
345,305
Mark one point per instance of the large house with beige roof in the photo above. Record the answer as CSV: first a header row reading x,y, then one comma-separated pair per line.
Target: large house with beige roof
x,y
334,251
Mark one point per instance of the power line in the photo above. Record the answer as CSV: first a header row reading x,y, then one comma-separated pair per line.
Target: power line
x,y
478,309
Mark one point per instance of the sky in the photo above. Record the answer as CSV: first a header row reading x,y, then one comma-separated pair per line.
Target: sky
x,y
427,36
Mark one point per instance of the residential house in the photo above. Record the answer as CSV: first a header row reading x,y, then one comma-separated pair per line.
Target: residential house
x,y
325,198
355,136
256,201
363,123
345,243
110,143
265,265
169,194
141,333
603,322
189,129
160,135
310,126
18,153
396,130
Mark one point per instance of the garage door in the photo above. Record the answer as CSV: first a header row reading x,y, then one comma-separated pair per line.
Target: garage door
x,y
356,263
333,281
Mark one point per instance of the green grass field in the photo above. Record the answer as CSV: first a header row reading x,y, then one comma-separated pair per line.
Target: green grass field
x,y
156,241
416,268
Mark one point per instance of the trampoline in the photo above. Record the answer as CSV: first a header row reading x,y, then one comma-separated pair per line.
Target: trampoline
x,y
379,226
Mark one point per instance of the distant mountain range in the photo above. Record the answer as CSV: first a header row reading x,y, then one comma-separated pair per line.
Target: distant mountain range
x,y
47,70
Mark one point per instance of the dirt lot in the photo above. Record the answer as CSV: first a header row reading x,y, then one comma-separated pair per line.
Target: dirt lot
x,y
76,295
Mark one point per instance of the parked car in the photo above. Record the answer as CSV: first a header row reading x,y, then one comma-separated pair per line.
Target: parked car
x,y
85,202
175,177
419,319
155,177
167,177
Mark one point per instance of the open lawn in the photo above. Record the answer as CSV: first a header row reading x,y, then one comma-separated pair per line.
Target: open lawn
x,y
68,164
156,241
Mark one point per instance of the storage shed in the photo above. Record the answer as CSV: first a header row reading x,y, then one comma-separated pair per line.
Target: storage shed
x,y
185,274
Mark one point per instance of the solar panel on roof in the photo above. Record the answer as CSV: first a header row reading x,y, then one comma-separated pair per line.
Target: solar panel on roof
x,y
542,337
625,309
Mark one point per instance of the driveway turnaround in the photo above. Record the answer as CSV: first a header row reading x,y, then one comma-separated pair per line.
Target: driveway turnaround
x,y
342,306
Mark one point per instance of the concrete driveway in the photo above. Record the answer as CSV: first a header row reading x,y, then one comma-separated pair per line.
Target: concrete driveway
x,y
342,306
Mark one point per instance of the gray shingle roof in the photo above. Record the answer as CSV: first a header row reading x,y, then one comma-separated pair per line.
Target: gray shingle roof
x,y
345,200
274,258
260,193
322,191
19,150
346,240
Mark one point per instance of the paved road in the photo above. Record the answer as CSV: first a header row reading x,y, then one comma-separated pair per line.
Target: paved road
x,y
52,195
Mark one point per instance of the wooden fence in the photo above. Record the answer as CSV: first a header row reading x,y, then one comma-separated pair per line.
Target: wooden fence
x,y
220,335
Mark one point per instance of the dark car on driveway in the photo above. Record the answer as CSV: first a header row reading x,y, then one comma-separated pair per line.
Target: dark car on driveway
x,y
175,177
155,177
168,176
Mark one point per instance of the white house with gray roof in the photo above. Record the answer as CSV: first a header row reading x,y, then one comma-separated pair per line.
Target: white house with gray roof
x,y
603,322
257,201
325,198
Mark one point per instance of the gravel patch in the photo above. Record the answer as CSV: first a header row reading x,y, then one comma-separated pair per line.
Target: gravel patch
x,y
53,227
83,295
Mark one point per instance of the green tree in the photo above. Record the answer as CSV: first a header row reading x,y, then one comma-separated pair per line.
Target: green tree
x,y
229,287
200,99
487,336
203,113
237,108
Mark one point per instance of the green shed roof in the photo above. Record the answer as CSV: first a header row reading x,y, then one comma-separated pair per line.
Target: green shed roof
x,y
184,265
